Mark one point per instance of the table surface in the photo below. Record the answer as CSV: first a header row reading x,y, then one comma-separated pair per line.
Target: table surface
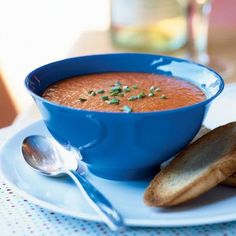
x,y
20,217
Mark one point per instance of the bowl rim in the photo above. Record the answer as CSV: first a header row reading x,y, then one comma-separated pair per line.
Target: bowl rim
x,y
184,108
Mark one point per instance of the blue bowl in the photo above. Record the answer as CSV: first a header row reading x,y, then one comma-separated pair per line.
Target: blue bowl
x,y
117,145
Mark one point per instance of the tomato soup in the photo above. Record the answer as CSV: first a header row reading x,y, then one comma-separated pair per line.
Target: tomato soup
x,y
124,92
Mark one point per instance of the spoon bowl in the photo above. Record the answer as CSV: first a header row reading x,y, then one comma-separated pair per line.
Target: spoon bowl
x,y
45,156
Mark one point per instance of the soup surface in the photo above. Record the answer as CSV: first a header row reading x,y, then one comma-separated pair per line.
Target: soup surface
x,y
124,91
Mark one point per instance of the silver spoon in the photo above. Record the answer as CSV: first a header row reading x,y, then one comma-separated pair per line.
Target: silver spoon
x,y
48,157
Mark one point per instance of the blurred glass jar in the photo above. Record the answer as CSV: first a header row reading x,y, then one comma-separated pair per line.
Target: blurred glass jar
x,y
150,25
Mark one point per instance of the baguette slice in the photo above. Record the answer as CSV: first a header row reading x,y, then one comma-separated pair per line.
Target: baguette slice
x,y
231,180
198,168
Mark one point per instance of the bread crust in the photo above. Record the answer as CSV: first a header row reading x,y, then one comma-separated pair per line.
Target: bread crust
x,y
230,181
219,169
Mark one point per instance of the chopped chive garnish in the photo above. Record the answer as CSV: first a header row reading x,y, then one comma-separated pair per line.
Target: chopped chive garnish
x,y
118,83
116,88
152,88
100,91
82,99
121,95
126,89
157,89
135,86
132,98
163,96
126,109
141,95
105,98
151,94
113,101
92,93
115,93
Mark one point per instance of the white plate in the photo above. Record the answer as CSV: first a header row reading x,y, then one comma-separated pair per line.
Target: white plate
x,y
223,109
60,194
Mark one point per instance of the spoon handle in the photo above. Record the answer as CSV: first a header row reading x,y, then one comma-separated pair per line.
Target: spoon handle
x,y
103,207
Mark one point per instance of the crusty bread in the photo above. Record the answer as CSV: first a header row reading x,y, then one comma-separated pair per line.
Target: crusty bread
x,y
230,181
198,168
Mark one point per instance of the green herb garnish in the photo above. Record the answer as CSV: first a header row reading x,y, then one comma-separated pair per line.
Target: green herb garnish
x,y
115,88
151,94
163,96
141,95
126,89
135,86
82,99
113,101
157,89
126,109
118,83
105,98
92,93
152,89
132,98
100,91
115,93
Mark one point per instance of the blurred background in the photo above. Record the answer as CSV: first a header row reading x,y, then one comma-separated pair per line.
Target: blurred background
x,y
33,33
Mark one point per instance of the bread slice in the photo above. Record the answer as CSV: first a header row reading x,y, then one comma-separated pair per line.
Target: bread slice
x,y
230,181
198,168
